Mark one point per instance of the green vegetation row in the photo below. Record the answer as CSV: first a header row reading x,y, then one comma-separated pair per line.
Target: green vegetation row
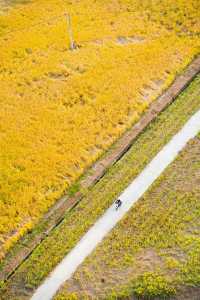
x,y
77,222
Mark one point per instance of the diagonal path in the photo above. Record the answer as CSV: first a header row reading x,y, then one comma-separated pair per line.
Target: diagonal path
x,y
131,194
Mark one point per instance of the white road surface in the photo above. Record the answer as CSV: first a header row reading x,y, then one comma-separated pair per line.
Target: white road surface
x,y
131,194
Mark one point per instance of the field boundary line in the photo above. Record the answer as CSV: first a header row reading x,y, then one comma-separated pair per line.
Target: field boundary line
x,y
65,204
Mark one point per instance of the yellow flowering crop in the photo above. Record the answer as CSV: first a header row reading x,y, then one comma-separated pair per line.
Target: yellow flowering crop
x,y
60,109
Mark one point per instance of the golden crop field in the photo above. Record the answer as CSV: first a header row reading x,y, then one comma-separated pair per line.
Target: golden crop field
x,y
60,109
139,231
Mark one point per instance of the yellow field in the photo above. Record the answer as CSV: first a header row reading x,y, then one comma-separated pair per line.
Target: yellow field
x,y
61,109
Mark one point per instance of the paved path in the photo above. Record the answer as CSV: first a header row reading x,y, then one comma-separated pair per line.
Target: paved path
x,y
131,194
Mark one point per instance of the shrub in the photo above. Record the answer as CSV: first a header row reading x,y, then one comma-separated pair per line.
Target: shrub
x,y
153,285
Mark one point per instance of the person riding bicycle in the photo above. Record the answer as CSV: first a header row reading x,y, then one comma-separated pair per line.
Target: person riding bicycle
x,y
118,203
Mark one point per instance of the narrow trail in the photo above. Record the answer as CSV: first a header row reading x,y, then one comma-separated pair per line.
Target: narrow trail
x,y
131,194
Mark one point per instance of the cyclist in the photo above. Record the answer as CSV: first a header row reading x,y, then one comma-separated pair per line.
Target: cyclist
x,y
118,203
